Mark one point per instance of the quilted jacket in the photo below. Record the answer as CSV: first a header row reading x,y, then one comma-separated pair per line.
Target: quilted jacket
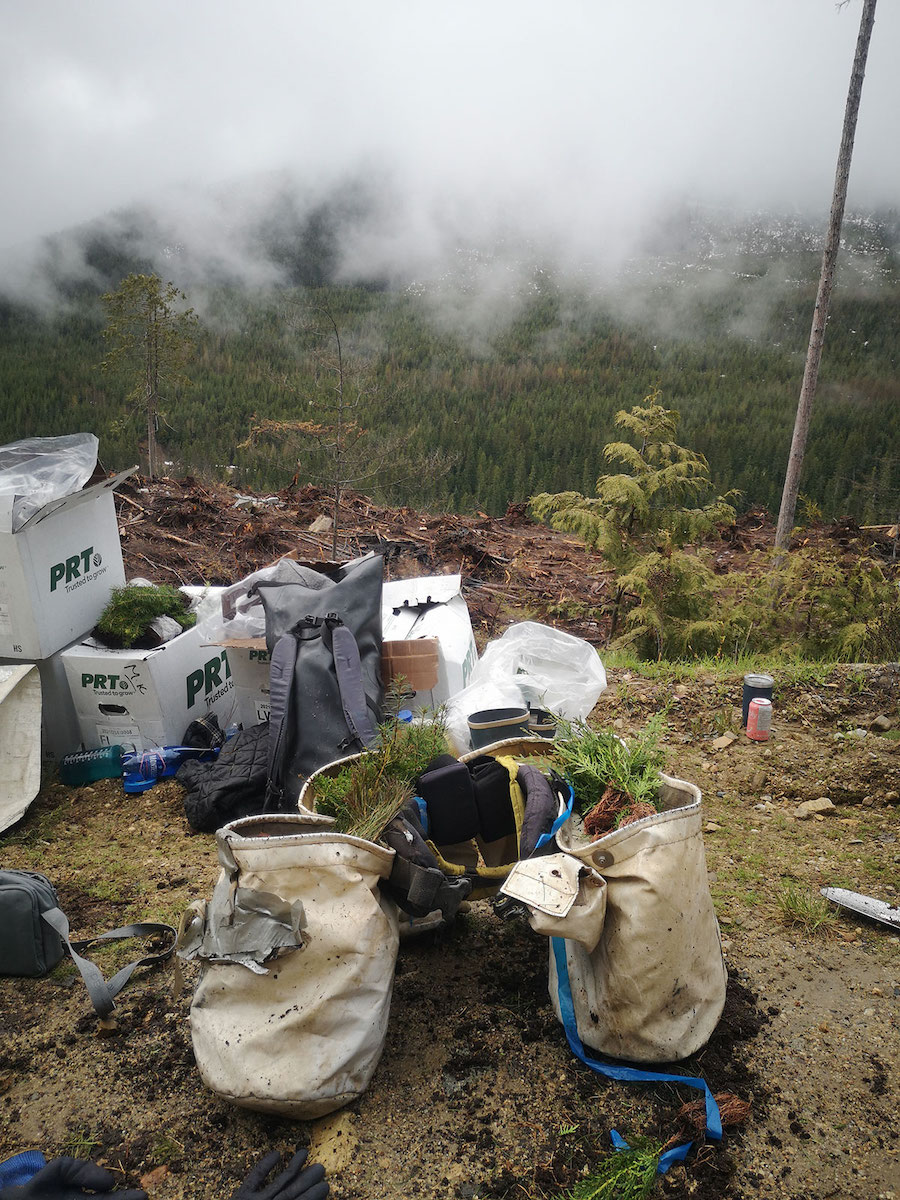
x,y
232,786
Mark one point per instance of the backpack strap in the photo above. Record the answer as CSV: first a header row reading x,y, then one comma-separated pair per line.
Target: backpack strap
x,y
281,678
348,668
421,890
348,671
416,882
101,991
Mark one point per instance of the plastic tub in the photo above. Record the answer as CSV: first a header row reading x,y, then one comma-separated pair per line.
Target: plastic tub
x,y
542,723
497,725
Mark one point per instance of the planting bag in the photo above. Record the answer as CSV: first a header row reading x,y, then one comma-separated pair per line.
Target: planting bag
x,y
642,945
20,740
324,636
298,950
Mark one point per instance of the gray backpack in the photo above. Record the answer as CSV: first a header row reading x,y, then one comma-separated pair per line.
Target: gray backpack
x,y
323,632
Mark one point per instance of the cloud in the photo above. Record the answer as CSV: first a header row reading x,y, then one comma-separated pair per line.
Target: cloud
x,y
573,127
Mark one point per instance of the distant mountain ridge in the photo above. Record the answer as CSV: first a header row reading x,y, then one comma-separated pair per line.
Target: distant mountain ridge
x,y
510,366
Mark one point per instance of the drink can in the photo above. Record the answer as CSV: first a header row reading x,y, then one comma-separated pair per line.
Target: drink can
x,y
755,685
759,719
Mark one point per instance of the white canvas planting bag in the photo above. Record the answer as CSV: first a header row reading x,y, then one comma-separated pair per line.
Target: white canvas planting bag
x,y
642,950
298,950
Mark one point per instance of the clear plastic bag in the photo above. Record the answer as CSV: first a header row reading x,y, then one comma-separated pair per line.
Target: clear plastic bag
x,y
552,669
38,470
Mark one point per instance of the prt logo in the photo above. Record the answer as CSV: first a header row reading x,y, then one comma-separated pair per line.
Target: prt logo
x,y
208,677
74,567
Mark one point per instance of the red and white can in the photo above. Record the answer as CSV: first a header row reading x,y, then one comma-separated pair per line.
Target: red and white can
x,y
759,719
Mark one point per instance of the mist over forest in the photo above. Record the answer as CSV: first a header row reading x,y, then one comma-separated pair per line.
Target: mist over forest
x,y
508,352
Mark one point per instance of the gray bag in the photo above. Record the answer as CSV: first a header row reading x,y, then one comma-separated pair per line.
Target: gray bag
x,y
324,638
34,936
28,945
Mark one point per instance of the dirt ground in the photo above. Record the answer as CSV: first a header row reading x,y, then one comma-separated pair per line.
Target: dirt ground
x,y
477,1093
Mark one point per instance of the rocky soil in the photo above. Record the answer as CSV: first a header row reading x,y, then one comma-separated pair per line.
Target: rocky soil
x,y
477,1093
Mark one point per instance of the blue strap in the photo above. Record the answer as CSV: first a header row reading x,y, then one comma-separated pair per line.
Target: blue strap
x,y
20,1168
626,1074
676,1154
422,809
558,823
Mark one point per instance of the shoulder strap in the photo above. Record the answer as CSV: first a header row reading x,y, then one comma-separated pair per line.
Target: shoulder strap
x,y
421,890
281,677
101,991
348,669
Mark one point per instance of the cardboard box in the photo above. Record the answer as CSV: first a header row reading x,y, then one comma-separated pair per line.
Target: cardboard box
x,y
432,607
417,662
60,731
142,698
58,570
249,661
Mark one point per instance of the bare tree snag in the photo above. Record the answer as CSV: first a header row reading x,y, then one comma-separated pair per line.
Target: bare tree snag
x,y
826,279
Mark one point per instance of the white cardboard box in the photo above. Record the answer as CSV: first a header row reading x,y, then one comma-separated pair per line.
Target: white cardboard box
x,y
249,661
58,570
432,606
142,698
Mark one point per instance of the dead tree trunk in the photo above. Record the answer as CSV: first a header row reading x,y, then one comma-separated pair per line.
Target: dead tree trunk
x,y
826,279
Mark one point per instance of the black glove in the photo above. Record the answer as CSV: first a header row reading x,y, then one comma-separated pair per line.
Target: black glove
x,y
294,1183
66,1179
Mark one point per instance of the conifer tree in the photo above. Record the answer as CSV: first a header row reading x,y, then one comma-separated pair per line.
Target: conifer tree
x,y
150,335
640,521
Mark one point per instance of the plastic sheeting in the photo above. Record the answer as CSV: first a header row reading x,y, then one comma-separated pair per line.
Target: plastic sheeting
x,y
35,471
552,669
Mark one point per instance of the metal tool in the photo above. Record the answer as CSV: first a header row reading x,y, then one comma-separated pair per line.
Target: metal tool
x,y
866,906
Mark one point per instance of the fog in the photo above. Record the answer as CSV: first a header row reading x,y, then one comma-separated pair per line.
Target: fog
x,y
574,127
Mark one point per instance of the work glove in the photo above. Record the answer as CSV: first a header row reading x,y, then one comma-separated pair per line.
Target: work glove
x,y
67,1179
294,1182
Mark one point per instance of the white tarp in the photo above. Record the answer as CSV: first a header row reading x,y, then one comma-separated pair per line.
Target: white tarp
x,y
20,741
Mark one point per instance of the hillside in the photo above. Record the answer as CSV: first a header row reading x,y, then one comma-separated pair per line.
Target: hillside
x,y
182,531
508,368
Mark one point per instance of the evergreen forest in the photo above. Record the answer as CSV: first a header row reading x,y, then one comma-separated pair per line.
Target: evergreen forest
x,y
519,394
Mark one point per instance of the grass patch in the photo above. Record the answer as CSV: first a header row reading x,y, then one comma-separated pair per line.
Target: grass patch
x,y
165,1148
39,823
80,1144
801,910
787,671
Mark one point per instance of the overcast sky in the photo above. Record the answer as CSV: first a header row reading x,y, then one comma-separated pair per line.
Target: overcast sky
x,y
559,117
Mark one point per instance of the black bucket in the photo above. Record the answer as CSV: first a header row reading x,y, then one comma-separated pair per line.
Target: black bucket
x,y
497,725
542,723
